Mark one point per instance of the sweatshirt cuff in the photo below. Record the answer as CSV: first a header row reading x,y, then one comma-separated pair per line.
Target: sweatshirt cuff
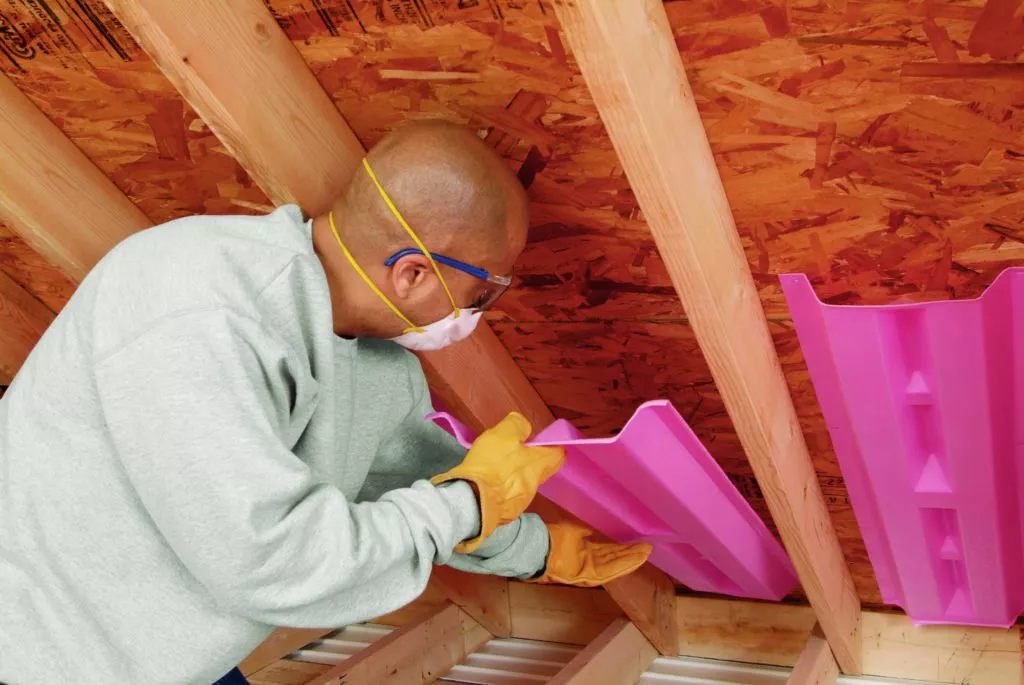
x,y
464,507
526,545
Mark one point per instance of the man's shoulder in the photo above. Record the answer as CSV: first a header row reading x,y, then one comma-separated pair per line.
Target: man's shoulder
x,y
206,250
195,263
281,232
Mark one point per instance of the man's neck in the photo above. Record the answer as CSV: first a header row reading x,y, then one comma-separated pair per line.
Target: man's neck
x,y
329,253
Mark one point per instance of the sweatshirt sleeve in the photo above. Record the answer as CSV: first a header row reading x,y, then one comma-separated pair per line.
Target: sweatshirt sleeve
x,y
416,448
420,449
516,550
198,409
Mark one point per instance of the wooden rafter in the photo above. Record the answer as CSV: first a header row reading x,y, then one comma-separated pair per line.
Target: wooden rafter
x,y
628,56
234,65
480,382
23,319
64,207
189,41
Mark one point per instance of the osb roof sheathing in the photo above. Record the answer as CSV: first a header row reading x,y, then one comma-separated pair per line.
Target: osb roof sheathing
x,y
873,144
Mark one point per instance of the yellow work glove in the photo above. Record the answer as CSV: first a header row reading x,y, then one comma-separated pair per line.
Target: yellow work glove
x,y
575,560
505,473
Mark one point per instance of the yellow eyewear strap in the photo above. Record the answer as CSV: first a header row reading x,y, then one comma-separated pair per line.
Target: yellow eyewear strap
x,y
413,328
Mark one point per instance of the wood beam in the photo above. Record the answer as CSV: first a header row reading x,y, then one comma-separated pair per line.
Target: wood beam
x,y
418,652
287,672
239,71
816,665
771,633
23,319
618,656
281,643
757,632
556,613
275,118
627,54
480,383
485,599
653,612
52,195
895,648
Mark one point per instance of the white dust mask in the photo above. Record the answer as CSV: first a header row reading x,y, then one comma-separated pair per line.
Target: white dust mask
x,y
441,334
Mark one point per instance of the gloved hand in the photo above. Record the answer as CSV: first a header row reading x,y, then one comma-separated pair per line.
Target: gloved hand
x,y
505,473
575,560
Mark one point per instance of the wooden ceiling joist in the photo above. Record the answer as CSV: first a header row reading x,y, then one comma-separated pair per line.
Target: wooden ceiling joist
x,y
418,652
63,206
629,59
770,633
618,656
23,319
189,40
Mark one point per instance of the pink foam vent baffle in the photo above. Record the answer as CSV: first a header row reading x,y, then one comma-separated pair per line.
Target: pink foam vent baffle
x,y
654,482
923,405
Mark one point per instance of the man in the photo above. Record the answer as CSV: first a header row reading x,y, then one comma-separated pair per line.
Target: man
x,y
219,433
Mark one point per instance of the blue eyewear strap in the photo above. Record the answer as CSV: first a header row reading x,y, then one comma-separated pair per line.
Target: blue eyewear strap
x,y
476,271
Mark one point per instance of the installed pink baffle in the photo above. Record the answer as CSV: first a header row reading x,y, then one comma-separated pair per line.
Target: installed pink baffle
x,y
655,482
922,402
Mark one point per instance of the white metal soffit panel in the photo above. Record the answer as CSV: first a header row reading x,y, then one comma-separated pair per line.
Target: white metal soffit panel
x,y
509,661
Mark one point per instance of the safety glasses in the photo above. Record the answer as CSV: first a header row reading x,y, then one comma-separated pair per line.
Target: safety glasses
x,y
498,284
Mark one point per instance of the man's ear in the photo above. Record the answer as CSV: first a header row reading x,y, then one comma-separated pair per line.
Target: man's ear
x,y
409,274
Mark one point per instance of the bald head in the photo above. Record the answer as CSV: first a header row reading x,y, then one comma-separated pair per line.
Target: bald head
x,y
455,192
461,200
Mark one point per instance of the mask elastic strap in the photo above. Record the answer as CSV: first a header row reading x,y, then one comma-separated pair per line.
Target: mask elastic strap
x,y
412,234
413,328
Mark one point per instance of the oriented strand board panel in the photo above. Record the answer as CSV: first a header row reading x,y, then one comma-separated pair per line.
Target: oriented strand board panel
x,y
868,143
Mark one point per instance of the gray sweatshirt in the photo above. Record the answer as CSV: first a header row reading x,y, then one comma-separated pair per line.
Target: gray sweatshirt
x,y
191,456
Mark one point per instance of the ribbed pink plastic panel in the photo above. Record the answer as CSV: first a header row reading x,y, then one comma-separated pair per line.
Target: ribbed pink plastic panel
x,y
922,402
655,482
